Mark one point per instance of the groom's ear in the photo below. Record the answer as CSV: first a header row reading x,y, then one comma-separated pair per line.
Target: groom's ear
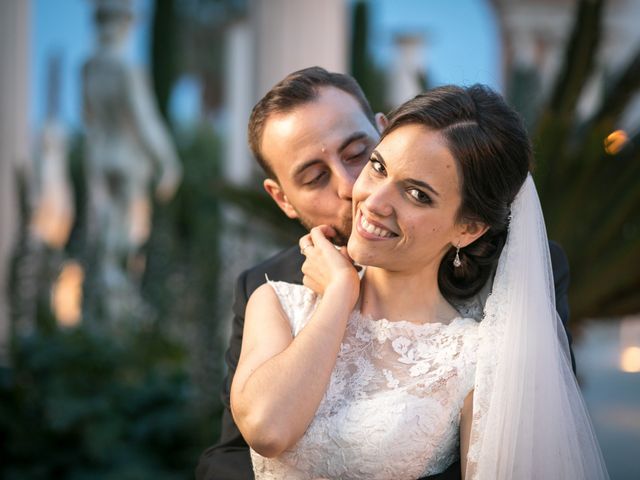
x,y
275,191
471,231
381,121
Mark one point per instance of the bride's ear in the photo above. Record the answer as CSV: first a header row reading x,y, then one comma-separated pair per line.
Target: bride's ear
x,y
469,232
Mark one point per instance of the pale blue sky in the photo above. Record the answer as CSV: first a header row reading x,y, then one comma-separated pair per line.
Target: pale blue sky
x,y
462,37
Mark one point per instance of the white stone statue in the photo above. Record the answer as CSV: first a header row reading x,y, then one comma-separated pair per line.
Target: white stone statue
x,y
129,152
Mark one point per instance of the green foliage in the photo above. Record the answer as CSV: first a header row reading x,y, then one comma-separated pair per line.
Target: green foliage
x,y
371,78
183,248
590,197
255,203
164,39
138,399
182,275
522,87
85,404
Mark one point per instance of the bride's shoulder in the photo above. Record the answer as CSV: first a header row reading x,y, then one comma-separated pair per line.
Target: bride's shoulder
x,y
290,292
463,333
276,292
263,297
465,325
296,301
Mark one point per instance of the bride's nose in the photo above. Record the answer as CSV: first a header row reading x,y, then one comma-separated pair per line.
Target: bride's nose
x,y
380,200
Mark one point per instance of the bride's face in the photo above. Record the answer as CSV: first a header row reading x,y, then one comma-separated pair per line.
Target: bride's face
x,y
405,202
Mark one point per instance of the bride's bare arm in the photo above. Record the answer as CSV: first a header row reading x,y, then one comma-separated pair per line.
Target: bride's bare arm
x,y
465,431
281,380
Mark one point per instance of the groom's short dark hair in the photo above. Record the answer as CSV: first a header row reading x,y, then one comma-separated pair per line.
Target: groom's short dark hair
x,y
296,89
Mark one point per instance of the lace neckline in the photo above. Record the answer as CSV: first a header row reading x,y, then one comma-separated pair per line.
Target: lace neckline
x,y
384,322
401,324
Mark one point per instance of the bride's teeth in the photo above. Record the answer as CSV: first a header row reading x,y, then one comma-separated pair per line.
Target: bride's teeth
x,y
374,230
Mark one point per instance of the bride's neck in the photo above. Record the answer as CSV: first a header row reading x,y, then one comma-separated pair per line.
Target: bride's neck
x,y
398,296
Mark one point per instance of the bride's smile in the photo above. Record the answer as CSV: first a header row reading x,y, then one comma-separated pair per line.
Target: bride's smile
x,y
371,229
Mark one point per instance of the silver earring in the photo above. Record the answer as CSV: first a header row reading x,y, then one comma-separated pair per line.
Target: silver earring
x,y
456,261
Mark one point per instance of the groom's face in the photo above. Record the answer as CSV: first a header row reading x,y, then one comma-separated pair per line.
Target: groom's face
x,y
317,151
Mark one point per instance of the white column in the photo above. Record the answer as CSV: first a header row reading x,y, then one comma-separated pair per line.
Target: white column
x,y
238,163
14,50
408,65
294,34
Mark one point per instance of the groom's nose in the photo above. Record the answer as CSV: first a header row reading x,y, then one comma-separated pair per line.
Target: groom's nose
x,y
344,178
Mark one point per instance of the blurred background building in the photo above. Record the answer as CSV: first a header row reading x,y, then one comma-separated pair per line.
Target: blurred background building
x,y
142,393
14,137
534,35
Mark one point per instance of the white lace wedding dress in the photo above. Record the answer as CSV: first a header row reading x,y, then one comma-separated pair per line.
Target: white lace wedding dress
x,y
392,407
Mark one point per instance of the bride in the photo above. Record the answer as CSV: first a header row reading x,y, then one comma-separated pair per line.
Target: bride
x,y
374,374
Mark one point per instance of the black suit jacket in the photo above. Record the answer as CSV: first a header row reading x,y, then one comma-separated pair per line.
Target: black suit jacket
x,y
229,459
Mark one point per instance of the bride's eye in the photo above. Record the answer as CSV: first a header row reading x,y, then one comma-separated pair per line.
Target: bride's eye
x,y
420,196
377,166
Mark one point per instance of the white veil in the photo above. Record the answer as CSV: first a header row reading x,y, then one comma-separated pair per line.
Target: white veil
x,y
529,418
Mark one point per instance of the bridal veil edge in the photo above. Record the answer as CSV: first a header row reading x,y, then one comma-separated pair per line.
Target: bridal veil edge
x,y
529,418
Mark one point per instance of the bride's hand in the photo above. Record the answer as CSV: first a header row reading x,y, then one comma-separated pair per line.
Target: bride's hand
x,y
325,265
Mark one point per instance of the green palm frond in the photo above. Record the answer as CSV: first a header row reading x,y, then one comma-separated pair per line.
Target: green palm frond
x,y
592,198
258,206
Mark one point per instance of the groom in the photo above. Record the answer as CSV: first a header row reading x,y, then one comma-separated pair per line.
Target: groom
x,y
312,134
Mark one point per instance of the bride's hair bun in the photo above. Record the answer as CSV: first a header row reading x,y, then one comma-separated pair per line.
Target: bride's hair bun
x,y
490,143
478,262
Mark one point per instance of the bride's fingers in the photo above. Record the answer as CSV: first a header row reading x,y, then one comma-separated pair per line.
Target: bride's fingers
x,y
311,284
327,230
305,243
314,266
319,238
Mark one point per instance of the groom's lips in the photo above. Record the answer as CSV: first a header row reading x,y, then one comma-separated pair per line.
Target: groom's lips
x,y
371,229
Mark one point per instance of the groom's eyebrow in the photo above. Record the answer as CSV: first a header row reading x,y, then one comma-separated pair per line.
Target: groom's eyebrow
x,y
350,139
345,143
303,166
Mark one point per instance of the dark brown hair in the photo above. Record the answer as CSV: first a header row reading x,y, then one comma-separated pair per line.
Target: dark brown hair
x,y
294,90
490,143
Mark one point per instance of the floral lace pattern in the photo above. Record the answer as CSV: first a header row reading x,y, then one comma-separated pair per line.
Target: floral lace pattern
x,y
392,406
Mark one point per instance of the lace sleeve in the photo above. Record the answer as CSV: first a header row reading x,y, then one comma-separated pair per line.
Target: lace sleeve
x,y
298,303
